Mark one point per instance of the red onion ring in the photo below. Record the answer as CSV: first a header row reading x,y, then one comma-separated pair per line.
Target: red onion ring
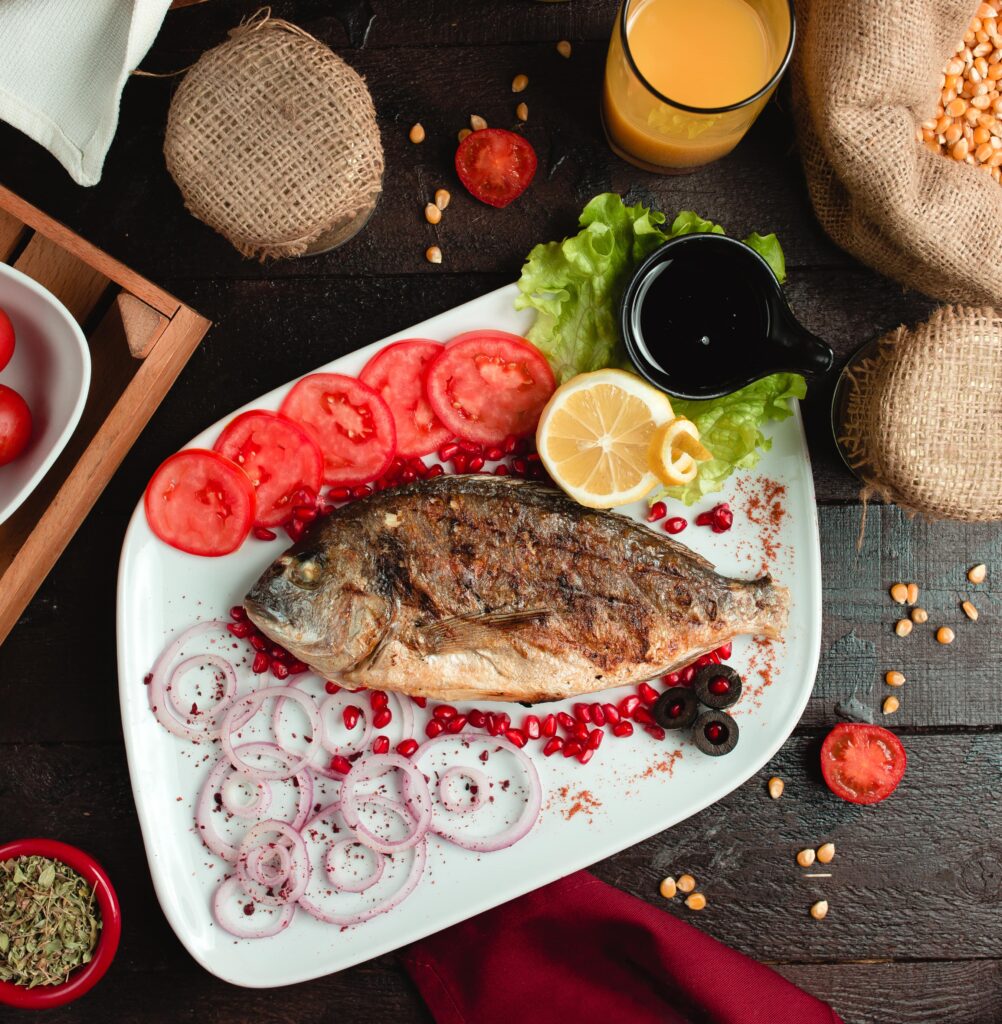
x,y
257,808
206,805
297,875
278,920
420,856
366,883
243,711
200,661
477,778
269,865
374,766
519,828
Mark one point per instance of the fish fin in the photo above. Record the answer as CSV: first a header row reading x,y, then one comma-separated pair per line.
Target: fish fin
x,y
470,632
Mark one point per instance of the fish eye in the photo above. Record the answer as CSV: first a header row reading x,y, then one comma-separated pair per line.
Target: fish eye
x,y
306,571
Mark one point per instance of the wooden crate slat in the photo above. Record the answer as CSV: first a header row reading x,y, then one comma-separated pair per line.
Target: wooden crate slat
x,y
74,283
12,231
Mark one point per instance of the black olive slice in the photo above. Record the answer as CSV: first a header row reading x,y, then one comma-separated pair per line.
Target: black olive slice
x,y
715,733
675,708
717,686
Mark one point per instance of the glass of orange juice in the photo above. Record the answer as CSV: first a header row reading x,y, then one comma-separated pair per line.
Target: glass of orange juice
x,y
685,79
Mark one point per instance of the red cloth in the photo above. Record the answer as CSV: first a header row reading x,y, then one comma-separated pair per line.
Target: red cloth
x,y
581,951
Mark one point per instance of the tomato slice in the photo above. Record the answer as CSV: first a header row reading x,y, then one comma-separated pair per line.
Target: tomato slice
x,y
201,503
6,339
280,458
495,165
862,763
397,373
15,424
488,384
350,422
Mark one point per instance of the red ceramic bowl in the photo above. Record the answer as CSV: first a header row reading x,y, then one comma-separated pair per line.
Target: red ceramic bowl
x,y
84,978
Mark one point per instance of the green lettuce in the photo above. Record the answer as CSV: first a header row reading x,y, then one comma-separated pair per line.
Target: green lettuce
x,y
576,285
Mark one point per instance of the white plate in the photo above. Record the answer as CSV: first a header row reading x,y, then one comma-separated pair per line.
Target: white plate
x,y
50,370
630,790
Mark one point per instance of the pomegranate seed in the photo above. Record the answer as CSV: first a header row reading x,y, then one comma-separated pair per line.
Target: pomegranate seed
x,y
242,630
658,511
258,642
565,720
504,721
531,727
723,519
582,712
471,447
719,686
297,668
278,670
264,534
408,476
656,731
552,746
509,443
549,726
362,491
238,613
476,464
685,677
515,736
521,446
675,525
622,729
434,471
434,728
643,716
492,723
477,719
261,662
724,651
647,693
445,711
446,452
597,714
279,653
459,461
493,454
350,716
532,456
704,519
671,679
612,715
382,718
405,748
580,731
501,470
422,702
595,739
628,705
304,515
294,530
572,749
340,764
381,745
339,494
707,659
484,756
378,699
714,732
520,467
675,709
457,724
331,687
586,755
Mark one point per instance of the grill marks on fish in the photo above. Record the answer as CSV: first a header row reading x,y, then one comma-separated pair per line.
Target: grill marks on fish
x,y
480,586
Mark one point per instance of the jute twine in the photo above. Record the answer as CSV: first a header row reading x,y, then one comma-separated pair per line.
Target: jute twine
x,y
922,416
865,73
272,140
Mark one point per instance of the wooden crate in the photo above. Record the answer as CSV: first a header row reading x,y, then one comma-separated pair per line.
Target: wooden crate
x,y
140,338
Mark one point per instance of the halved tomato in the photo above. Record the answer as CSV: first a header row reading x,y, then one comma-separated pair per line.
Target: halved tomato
x,y
15,424
200,502
397,373
488,384
6,339
862,763
495,165
278,455
350,422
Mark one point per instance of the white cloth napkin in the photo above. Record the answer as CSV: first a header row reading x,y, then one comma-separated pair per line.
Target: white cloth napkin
x,y
63,65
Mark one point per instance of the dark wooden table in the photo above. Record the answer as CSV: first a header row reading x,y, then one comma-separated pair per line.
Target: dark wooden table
x,y
914,932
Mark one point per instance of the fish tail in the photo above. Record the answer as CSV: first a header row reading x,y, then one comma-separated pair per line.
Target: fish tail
x,y
770,607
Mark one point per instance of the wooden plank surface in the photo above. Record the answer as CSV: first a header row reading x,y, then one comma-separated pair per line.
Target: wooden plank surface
x,y
913,934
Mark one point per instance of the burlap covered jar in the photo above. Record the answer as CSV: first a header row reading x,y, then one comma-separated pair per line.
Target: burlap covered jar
x,y
920,412
272,140
865,74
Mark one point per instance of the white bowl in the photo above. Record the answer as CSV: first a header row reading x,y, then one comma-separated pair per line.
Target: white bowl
x,y
50,370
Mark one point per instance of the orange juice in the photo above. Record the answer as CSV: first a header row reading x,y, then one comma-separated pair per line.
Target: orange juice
x,y
691,76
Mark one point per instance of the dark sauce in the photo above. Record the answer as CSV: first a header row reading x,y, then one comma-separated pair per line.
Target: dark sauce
x,y
702,316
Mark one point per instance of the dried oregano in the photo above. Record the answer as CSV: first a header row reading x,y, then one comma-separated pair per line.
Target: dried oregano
x,y
49,921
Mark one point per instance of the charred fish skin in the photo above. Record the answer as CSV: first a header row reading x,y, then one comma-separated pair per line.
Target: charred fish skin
x,y
465,587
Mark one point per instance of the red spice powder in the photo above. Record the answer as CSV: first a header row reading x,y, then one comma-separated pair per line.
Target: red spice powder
x,y
582,801
764,503
664,767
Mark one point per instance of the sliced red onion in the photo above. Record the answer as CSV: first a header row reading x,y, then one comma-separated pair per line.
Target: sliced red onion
x,y
292,883
375,766
206,806
270,864
476,778
518,829
418,853
248,926
217,662
256,808
333,873
244,709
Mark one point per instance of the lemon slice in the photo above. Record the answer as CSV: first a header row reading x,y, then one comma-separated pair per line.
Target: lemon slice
x,y
676,452
594,437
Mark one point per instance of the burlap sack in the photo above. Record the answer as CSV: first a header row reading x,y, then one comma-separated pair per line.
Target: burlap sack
x,y
272,140
921,416
866,72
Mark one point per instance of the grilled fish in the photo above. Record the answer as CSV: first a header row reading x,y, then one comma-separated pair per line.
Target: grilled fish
x,y
464,587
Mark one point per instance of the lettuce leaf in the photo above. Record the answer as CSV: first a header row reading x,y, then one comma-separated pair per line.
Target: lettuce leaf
x,y
576,285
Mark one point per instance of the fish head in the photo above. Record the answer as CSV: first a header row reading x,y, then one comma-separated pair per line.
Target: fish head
x,y
311,601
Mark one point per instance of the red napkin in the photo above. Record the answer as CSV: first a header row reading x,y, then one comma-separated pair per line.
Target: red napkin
x,y
580,950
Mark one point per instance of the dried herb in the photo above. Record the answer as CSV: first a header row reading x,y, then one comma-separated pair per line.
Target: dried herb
x,y
49,921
